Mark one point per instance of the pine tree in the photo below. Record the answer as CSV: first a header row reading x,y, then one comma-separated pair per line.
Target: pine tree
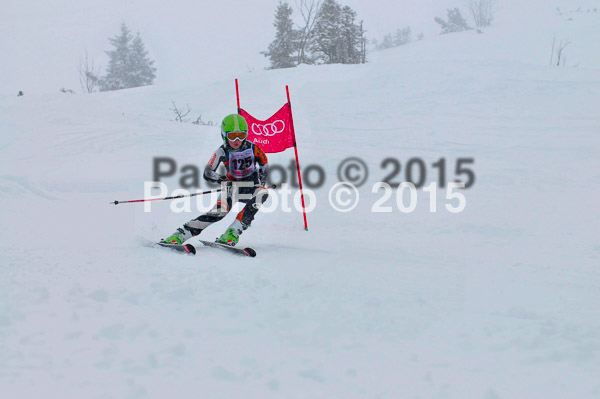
x,y
116,74
337,38
363,43
388,41
327,32
129,65
330,35
402,36
141,72
350,38
281,50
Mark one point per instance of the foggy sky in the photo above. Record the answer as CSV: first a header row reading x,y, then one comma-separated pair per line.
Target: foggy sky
x,y
42,42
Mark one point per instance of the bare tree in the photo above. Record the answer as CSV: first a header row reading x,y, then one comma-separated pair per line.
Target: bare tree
x,y
309,10
552,51
560,58
482,11
89,74
180,114
559,52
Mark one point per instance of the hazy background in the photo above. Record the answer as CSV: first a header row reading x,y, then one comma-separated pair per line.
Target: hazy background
x,y
42,42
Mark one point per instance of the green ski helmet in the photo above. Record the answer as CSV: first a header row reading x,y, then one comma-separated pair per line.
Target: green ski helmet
x,y
234,123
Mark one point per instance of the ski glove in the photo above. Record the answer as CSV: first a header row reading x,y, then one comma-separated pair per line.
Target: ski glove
x,y
263,171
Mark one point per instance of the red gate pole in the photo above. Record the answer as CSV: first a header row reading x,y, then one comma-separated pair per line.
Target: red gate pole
x,y
237,95
287,90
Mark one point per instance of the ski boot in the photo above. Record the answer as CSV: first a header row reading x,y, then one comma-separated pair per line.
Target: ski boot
x,y
178,238
232,235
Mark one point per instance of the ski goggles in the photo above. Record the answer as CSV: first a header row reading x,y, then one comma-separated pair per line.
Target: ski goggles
x,y
233,136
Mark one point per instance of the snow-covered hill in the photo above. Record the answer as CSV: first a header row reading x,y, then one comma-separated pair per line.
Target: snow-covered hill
x,y
498,301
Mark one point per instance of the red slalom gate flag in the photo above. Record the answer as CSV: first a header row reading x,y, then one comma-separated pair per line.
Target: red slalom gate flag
x,y
275,134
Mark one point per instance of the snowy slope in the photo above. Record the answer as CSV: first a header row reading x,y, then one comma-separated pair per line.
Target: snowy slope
x,y
499,301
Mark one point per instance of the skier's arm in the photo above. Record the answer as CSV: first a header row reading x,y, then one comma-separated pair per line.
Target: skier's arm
x,y
262,165
210,171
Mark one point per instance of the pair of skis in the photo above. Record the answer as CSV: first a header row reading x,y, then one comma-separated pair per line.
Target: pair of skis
x,y
191,249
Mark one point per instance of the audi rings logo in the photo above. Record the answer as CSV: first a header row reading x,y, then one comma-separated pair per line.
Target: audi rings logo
x,y
268,129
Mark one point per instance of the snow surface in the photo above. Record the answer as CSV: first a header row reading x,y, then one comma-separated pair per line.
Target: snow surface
x,y
499,301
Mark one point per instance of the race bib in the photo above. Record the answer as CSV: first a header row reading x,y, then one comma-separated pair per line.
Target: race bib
x,y
241,164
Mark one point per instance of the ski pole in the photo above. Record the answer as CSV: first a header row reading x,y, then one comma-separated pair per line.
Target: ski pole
x,y
175,197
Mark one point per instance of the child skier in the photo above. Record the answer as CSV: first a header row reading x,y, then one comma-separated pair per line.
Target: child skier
x,y
244,161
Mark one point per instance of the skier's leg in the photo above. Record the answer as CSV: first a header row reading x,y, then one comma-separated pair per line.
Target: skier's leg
x,y
218,212
245,217
195,226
